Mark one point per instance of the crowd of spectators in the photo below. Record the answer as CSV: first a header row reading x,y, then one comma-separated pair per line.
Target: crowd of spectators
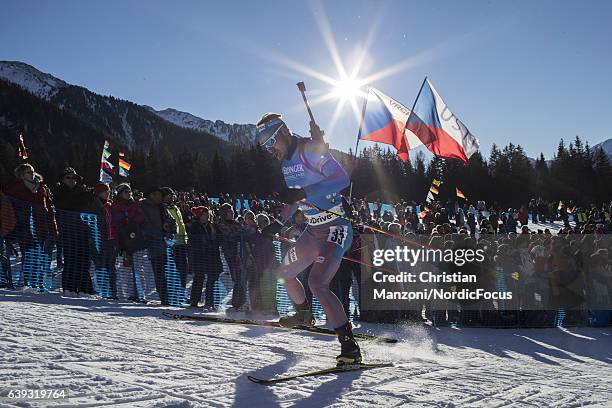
x,y
172,247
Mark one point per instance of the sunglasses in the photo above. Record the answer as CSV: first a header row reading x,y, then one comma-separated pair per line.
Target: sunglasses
x,y
272,140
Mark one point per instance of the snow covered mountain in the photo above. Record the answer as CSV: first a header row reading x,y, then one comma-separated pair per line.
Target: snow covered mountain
x,y
241,134
606,146
129,124
43,85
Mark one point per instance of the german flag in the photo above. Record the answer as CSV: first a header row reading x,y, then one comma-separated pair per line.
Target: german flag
x,y
433,189
124,165
460,193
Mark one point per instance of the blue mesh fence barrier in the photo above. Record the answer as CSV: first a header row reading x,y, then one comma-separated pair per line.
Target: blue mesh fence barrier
x,y
85,257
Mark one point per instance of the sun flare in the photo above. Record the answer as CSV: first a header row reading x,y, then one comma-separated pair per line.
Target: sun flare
x,y
347,89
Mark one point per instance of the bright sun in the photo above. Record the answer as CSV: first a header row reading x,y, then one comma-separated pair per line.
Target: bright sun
x,y
347,89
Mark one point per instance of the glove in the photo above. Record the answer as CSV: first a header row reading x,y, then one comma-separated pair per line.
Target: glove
x,y
272,229
291,195
315,131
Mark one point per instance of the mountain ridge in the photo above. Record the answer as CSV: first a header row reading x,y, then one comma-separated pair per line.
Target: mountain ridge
x,y
131,124
241,134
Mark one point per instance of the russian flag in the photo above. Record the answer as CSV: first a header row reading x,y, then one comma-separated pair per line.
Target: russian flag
x,y
438,129
384,121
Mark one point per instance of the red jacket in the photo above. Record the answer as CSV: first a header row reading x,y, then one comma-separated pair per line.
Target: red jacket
x,y
103,208
523,216
40,203
124,211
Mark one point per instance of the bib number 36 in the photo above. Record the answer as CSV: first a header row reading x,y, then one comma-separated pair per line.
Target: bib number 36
x,y
337,234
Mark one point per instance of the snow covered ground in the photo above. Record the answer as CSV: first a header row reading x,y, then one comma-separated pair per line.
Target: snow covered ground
x,y
127,355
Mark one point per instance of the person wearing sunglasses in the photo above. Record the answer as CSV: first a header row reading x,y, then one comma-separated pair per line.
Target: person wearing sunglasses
x,y
71,197
314,180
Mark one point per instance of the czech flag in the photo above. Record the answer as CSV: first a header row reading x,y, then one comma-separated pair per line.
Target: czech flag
x,y
384,121
438,129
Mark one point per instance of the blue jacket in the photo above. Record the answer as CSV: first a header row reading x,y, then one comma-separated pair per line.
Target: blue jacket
x,y
312,167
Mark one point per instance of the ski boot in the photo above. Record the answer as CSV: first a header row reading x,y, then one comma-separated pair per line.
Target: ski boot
x,y
350,354
302,317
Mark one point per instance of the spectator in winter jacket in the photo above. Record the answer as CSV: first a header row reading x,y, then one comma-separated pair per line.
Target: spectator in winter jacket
x,y
103,245
471,223
460,218
533,209
510,223
70,199
566,279
204,257
70,194
158,225
7,225
494,221
387,216
523,216
36,230
229,231
180,247
266,267
248,241
127,219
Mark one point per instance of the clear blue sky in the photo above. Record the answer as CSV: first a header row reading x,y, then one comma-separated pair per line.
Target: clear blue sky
x,y
529,72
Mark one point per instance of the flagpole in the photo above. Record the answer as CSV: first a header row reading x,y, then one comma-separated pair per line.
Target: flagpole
x,y
363,109
415,101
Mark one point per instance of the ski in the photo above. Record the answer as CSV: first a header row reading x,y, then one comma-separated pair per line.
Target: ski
x,y
246,322
332,370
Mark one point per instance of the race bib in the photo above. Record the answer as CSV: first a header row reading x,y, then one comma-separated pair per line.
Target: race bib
x,y
338,234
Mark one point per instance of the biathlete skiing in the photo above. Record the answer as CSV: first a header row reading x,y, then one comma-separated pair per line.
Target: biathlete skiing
x,y
314,180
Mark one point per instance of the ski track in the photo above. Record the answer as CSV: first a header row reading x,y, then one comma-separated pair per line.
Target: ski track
x,y
124,355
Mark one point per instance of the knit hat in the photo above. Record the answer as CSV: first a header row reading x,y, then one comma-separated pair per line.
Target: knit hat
x,y
122,187
198,211
166,191
100,187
